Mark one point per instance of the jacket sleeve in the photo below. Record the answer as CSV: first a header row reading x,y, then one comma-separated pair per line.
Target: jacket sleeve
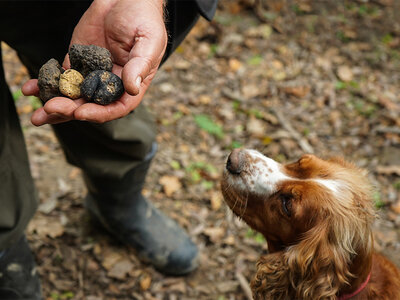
x,y
207,8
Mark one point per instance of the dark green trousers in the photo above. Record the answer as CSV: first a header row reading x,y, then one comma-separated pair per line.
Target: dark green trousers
x,y
39,31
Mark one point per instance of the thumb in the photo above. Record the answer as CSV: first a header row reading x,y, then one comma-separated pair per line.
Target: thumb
x,y
144,60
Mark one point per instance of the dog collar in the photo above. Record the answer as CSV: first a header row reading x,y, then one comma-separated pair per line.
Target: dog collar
x,y
356,292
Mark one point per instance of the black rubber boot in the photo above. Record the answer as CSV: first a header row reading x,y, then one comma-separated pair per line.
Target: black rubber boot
x,y
126,214
18,277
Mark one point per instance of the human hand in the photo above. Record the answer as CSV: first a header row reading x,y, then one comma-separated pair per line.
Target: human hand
x,y
134,32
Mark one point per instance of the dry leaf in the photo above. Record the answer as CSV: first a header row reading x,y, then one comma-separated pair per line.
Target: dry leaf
x,y
214,233
145,282
120,269
216,200
25,109
345,73
234,64
387,170
46,227
297,91
110,258
396,207
256,127
170,184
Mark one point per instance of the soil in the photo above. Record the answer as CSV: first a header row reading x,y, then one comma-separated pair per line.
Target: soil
x,y
285,79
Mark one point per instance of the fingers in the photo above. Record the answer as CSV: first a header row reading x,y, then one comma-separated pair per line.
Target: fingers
x,y
66,63
56,110
99,114
30,88
40,117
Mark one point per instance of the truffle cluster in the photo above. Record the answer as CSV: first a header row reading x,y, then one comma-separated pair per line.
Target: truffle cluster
x,y
90,77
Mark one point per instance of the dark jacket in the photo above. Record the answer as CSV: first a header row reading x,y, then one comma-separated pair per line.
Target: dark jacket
x,y
207,8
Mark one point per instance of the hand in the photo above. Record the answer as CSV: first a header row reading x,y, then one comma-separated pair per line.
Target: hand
x,y
134,32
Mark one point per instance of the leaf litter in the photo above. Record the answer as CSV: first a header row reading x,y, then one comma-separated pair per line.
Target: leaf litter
x,y
283,79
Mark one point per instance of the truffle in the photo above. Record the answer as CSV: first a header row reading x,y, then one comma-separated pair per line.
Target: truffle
x,y
102,87
48,80
86,59
70,83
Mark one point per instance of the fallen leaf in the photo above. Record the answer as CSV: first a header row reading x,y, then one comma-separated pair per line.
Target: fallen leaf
x,y
388,104
110,258
227,286
145,282
120,269
43,227
234,64
297,91
214,233
387,170
345,73
25,109
256,127
216,200
170,184
396,207
205,99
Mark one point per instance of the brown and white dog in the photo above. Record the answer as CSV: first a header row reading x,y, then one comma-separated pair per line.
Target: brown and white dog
x,y
316,217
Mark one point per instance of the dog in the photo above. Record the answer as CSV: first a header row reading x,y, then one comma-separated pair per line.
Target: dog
x,y
316,217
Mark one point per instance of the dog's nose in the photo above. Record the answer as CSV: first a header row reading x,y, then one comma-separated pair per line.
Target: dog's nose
x,y
234,164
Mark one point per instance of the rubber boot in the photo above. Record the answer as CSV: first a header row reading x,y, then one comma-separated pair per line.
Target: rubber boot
x,y
18,276
122,209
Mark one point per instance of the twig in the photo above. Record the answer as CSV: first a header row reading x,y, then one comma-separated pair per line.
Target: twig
x,y
384,129
244,285
303,143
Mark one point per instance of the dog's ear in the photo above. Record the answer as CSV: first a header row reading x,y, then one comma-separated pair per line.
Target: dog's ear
x,y
271,281
318,266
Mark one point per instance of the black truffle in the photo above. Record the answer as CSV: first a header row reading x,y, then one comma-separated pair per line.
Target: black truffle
x,y
102,87
48,80
86,59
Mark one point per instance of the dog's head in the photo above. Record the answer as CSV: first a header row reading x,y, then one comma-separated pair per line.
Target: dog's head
x,y
315,215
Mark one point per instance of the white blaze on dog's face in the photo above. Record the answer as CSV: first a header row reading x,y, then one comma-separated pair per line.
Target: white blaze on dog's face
x,y
269,195
259,174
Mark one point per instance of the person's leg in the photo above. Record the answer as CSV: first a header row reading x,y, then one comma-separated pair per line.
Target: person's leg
x,y
114,156
18,201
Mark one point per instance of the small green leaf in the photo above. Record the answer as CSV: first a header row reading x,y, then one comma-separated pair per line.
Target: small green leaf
x,y
35,102
235,144
258,237
397,185
175,165
208,185
16,95
208,125
340,85
378,200
255,60
387,38
67,295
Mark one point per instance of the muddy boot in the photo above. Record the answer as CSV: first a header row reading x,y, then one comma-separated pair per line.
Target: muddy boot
x,y
126,214
18,277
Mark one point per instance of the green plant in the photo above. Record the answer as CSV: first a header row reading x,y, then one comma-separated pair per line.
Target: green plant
x,y
205,123
378,200
258,237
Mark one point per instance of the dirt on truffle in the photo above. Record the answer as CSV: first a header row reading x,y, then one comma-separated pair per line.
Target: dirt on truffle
x,y
102,87
89,58
48,80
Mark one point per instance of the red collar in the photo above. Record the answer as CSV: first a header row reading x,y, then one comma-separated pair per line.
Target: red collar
x,y
356,292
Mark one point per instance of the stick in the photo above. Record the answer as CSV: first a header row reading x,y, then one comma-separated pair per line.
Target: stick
x,y
303,143
244,285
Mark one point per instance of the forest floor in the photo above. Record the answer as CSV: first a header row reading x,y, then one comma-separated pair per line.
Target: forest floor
x,y
291,78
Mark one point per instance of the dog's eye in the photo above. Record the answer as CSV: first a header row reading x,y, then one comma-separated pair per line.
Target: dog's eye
x,y
286,204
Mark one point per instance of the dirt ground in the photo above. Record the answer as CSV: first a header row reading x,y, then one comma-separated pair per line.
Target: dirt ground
x,y
288,78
